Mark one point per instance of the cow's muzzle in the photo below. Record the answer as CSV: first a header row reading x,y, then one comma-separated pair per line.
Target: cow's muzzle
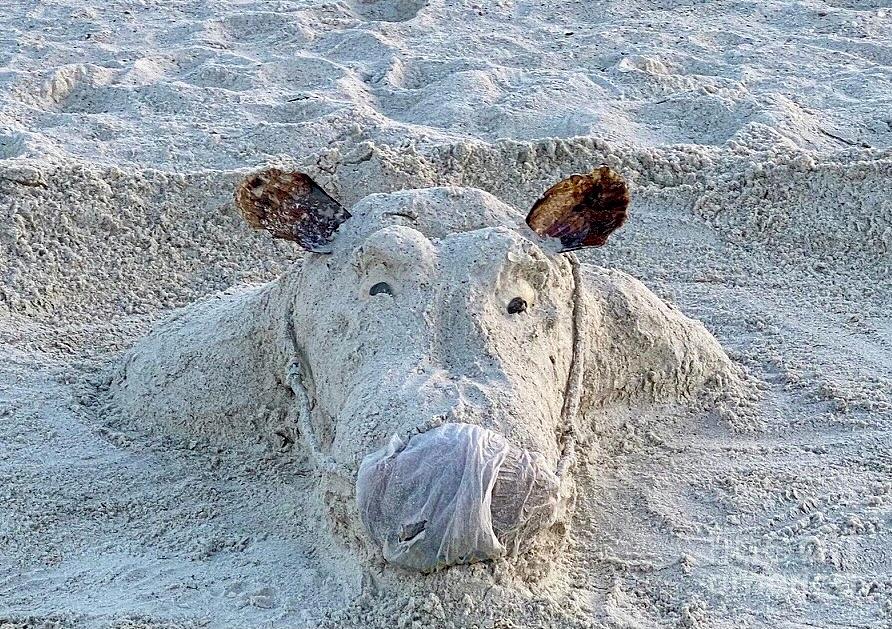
x,y
454,494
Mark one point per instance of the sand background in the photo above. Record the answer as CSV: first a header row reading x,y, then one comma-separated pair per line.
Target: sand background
x,y
757,137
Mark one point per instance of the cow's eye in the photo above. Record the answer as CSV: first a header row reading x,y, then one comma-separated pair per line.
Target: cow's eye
x,y
518,304
381,287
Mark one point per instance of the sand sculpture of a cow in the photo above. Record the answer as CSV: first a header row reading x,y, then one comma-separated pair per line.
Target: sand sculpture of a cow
x,y
434,353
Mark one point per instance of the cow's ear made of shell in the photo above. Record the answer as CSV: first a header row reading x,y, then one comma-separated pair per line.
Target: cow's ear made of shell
x,y
292,206
582,210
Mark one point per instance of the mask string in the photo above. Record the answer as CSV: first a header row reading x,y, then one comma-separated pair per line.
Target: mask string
x,y
573,390
294,374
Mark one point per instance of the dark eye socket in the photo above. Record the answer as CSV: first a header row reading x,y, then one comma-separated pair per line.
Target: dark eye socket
x,y
381,287
518,304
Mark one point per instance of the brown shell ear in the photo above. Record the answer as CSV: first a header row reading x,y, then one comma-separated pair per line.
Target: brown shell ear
x,y
582,210
290,205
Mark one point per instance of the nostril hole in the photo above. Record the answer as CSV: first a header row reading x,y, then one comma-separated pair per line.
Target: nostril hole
x,y
381,287
411,531
518,304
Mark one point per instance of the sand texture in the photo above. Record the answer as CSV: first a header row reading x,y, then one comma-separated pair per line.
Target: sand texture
x,y
756,138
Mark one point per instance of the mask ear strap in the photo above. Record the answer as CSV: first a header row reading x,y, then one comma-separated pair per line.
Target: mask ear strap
x,y
573,389
581,210
290,205
295,372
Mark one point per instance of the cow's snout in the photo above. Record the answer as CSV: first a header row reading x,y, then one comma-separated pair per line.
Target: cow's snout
x,y
454,494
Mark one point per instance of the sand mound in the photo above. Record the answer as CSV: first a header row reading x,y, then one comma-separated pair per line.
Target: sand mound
x,y
218,371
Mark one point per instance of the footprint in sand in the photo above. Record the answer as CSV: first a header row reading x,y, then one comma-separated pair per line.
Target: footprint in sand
x,y
388,10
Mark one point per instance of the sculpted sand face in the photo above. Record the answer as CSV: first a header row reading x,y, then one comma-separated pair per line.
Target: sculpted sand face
x,y
425,356
424,334
450,327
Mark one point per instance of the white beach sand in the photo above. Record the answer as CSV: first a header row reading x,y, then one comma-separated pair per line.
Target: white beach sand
x,y
757,138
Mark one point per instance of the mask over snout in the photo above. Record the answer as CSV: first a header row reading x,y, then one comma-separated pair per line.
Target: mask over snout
x,y
454,494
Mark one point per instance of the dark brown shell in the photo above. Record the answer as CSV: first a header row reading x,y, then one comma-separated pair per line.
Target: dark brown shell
x,y
292,206
582,210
